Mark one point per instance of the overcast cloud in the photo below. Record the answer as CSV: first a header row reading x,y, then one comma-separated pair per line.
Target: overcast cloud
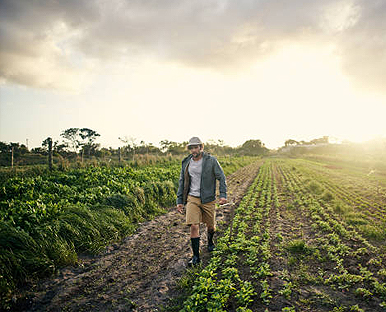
x,y
59,44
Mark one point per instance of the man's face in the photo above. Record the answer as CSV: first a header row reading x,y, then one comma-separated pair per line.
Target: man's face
x,y
195,150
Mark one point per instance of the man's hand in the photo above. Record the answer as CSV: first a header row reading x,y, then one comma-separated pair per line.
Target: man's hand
x,y
222,201
180,207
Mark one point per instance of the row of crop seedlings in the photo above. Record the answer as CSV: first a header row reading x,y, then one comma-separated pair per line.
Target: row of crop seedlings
x,y
262,252
372,186
373,229
236,275
293,255
259,254
366,211
289,281
372,210
339,245
328,245
275,198
329,219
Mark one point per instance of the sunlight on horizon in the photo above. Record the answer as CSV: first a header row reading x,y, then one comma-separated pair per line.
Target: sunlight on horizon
x,y
299,93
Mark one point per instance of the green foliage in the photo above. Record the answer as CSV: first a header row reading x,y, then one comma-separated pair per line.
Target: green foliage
x,y
341,208
297,246
315,187
363,292
20,257
373,232
355,218
327,196
288,309
52,217
46,218
287,290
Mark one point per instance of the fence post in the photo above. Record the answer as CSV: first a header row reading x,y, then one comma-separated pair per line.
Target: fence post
x,y
50,153
119,155
12,157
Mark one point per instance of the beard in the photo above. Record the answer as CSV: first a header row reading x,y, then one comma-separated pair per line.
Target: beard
x,y
196,155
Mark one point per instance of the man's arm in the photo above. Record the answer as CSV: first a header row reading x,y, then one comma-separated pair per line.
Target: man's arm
x,y
180,188
219,174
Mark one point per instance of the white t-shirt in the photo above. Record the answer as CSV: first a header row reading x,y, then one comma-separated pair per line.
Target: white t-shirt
x,y
195,169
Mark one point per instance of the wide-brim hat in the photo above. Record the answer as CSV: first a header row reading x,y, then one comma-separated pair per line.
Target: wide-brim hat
x,y
194,141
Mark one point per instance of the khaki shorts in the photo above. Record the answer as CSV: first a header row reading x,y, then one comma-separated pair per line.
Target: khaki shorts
x,y
197,212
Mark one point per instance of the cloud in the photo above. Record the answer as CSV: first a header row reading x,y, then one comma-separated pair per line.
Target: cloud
x,y
37,39
57,44
363,47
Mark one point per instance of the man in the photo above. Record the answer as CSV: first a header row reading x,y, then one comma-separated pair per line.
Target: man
x,y
197,191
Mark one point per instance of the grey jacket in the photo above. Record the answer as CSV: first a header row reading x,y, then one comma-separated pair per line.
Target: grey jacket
x,y
211,170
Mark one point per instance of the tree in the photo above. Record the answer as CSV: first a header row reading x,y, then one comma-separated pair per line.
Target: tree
x,y
88,137
253,148
4,148
18,149
56,147
322,140
84,138
173,148
147,148
71,135
39,150
130,148
291,142
217,147
165,145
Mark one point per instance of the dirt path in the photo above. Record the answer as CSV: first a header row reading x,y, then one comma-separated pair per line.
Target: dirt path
x,y
138,274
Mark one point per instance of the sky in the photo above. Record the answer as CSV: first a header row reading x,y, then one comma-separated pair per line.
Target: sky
x,y
231,70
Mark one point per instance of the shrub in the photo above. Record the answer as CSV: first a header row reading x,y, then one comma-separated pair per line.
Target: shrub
x,y
341,208
373,232
297,246
356,219
327,196
315,187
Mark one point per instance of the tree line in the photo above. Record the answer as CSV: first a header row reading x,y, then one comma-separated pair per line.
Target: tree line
x,y
292,142
81,143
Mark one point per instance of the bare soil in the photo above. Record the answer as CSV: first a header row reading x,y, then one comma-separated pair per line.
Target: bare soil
x,y
138,274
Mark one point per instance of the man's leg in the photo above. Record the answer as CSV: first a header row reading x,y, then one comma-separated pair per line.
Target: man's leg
x,y
209,217
193,219
195,240
211,231
194,231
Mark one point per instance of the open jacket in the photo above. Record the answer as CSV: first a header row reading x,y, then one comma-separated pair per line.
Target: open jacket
x,y
211,171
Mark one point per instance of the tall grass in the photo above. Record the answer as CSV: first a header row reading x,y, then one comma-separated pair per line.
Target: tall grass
x,y
77,229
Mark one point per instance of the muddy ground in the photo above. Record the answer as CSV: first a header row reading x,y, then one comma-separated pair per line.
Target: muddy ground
x,y
138,274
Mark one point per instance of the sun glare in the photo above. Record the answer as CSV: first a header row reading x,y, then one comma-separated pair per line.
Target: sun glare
x,y
299,92
306,86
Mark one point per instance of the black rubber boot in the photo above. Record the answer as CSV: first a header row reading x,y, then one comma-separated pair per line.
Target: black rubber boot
x,y
196,251
210,241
